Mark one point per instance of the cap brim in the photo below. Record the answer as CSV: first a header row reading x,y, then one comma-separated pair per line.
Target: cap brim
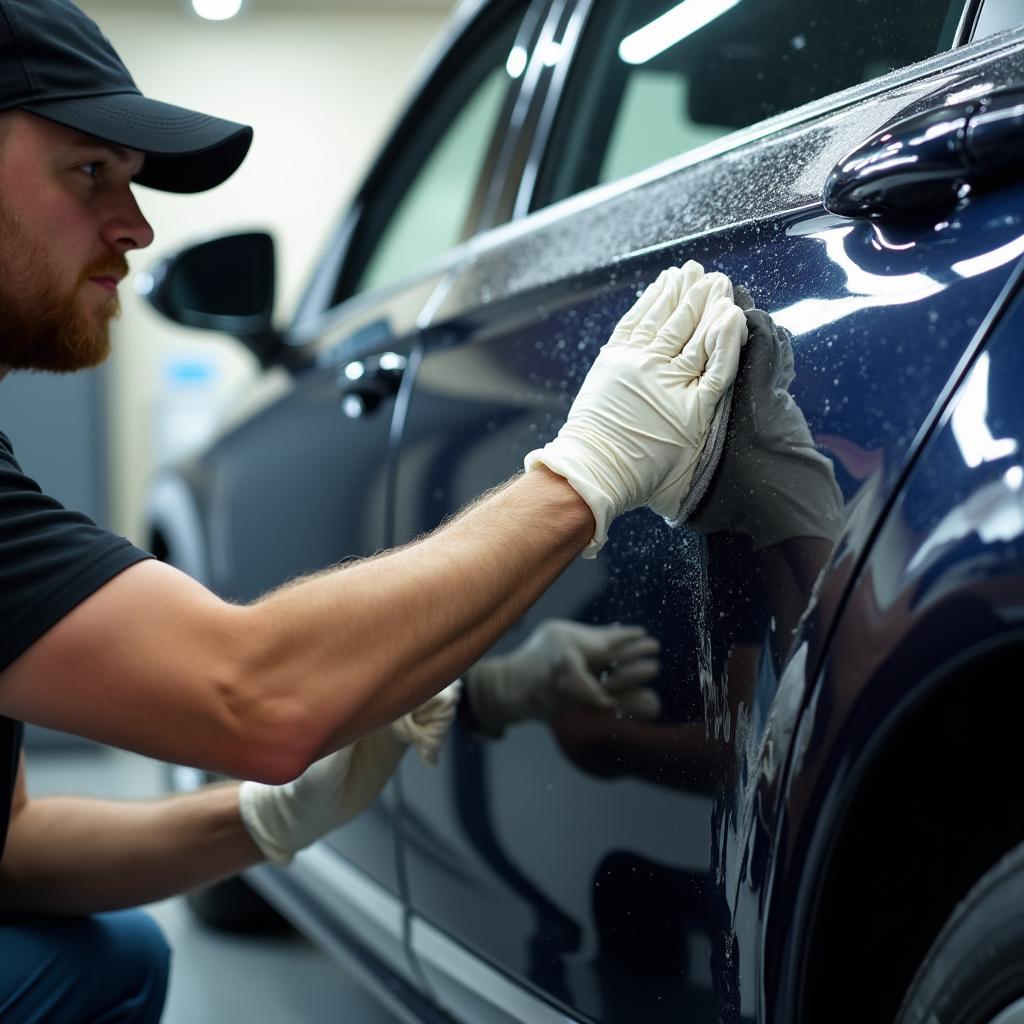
x,y
185,151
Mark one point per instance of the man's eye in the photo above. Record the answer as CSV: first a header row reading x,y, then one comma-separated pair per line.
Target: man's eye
x,y
92,168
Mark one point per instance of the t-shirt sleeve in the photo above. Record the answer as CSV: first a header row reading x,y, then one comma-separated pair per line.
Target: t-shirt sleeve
x,y
51,559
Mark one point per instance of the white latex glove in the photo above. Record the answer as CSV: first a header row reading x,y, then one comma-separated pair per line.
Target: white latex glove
x,y
427,727
284,819
641,418
772,482
564,663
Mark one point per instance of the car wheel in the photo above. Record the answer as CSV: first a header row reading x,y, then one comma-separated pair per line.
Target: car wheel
x,y
974,972
234,906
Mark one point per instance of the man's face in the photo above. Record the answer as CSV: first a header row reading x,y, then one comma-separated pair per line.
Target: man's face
x,y
67,217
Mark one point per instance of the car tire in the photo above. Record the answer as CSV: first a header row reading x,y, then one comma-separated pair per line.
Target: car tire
x,y
234,906
974,971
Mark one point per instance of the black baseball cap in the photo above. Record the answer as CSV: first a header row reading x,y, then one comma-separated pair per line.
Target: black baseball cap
x,y
55,62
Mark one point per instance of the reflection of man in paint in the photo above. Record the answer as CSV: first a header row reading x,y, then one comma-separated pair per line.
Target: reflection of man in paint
x,y
772,512
776,489
562,665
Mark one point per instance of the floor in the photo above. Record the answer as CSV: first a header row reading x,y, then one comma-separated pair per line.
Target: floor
x,y
216,978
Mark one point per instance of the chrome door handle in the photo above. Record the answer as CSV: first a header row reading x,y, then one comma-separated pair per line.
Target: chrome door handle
x,y
931,160
365,383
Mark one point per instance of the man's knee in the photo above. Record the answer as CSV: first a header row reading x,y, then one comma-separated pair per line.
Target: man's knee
x,y
106,969
143,960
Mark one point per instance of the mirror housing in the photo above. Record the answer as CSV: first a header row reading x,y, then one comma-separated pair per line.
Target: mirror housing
x,y
225,284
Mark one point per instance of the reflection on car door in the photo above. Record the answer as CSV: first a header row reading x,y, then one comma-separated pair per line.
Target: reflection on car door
x,y
593,858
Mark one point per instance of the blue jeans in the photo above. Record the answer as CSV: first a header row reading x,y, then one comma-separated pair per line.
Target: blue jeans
x,y
105,969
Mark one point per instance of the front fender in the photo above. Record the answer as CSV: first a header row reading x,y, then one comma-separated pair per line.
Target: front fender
x,y
940,590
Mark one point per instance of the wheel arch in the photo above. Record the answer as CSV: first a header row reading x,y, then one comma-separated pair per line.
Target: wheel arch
x,y
939,768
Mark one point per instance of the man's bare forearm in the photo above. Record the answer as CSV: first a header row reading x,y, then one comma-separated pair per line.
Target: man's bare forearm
x,y
260,691
72,855
368,642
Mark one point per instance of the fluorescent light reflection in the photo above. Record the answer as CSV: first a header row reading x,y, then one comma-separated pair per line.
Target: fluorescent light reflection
x,y
216,10
995,513
991,260
516,63
977,445
551,53
672,27
869,290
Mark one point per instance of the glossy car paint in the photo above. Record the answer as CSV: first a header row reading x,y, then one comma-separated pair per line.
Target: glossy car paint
x,y
605,907
617,869
933,618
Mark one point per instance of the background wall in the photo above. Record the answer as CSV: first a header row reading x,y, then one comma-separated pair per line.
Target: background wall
x,y
321,84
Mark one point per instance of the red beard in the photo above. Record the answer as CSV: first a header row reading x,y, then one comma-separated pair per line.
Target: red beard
x,y
40,328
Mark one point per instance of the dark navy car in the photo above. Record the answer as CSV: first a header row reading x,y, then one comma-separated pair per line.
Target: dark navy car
x,y
826,822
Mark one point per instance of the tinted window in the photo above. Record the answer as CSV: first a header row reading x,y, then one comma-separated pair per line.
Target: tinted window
x,y
655,78
420,207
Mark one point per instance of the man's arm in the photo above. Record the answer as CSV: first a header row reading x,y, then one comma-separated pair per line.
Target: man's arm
x,y
153,662
72,855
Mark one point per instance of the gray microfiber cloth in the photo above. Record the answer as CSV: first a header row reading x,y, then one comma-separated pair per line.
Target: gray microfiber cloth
x,y
711,453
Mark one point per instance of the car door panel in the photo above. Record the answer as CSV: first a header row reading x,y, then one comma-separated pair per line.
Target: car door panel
x,y
594,861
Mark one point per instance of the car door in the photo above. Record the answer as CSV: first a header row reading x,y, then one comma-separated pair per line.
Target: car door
x,y
588,865
303,483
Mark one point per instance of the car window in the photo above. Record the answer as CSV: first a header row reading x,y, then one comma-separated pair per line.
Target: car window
x,y
419,210
655,78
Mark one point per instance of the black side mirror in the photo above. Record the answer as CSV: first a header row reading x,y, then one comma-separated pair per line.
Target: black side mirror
x,y
226,284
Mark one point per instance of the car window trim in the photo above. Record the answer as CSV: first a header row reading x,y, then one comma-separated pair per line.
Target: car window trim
x,y
824,105
556,28
576,17
502,166
968,21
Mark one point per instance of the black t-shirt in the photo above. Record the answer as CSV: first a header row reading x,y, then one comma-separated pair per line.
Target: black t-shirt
x,y
50,561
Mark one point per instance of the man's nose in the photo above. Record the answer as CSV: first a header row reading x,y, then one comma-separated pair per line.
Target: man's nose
x,y
125,227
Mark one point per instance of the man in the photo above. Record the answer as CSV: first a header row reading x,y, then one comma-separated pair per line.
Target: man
x,y
302,691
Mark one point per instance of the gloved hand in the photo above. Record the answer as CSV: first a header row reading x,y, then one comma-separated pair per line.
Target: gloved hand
x,y
564,663
637,426
284,819
772,483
